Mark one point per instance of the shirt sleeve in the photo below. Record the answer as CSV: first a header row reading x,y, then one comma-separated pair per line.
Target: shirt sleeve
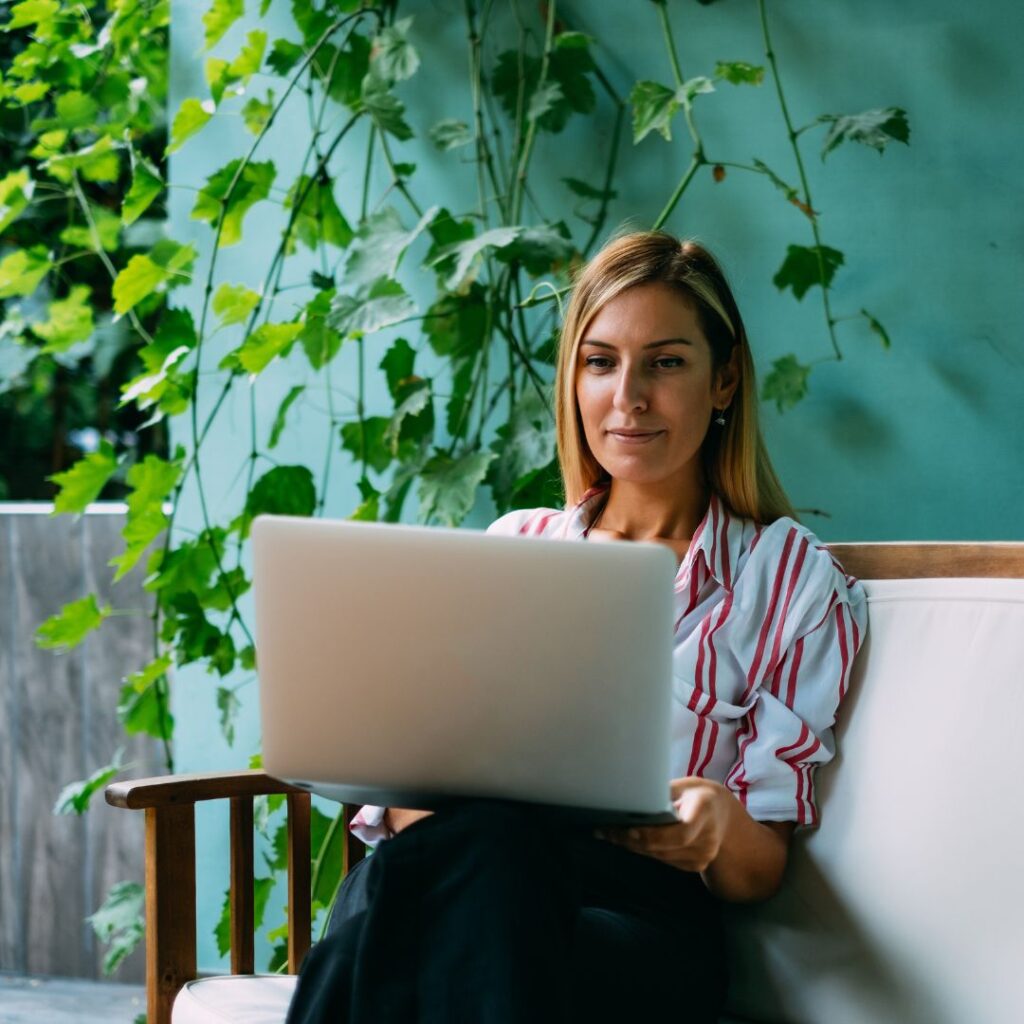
x,y
788,732
368,825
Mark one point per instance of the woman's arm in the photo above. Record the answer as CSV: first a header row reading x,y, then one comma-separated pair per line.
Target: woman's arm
x,y
739,859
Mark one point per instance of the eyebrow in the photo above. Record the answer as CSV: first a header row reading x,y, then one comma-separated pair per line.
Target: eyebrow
x,y
653,344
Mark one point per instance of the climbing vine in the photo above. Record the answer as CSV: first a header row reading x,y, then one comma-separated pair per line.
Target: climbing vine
x,y
468,374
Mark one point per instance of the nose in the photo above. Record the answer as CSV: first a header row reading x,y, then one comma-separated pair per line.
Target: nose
x,y
630,391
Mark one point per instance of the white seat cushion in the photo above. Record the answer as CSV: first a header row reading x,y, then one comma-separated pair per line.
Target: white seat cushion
x,y
235,999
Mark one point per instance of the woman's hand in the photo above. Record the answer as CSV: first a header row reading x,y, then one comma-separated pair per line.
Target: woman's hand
x,y
693,842
398,818
739,859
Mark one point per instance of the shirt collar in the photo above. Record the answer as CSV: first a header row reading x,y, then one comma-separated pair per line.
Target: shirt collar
x,y
715,539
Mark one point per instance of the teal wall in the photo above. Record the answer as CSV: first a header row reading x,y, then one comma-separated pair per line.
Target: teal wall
x,y
922,441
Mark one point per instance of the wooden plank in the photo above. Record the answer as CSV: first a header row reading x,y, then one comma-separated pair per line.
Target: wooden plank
x,y
12,906
115,842
170,907
931,560
49,752
243,955
299,896
168,790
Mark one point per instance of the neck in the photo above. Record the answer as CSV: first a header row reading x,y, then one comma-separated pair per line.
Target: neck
x,y
668,509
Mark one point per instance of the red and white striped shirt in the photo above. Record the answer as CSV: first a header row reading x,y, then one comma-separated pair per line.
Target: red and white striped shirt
x,y
766,629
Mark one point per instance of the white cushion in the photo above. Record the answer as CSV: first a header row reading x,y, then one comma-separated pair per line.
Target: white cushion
x,y
235,999
905,905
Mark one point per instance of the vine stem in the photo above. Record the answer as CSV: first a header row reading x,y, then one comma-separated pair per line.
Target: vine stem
x,y
770,55
698,157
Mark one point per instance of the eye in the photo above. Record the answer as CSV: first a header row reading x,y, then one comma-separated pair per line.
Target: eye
x,y
594,360
674,360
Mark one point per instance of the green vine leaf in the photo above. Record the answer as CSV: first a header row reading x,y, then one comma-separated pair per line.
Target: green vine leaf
x,y
75,110
16,190
160,383
585,191
68,320
220,16
877,328
256,113
385,108
31,12
146,186
875,128
739,72
167,264
70,626
318,219
119,923
228,706
654,106
450,134
786,383
397,364
525,445
108,228
467,254
541,250
369,432
261,346
141,708
383,304
191,116
282,412
413,419
81,484
380,244
234,200
98,162
455,324
22,270
448,486
393,57
801,268
74,798
283,491
222,930
319,339
284,55
233,303
347,68
151,480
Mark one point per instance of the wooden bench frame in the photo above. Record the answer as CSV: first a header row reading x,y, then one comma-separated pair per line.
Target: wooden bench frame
x,y
169,803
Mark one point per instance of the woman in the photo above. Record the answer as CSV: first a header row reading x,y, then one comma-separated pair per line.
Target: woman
x,y
482,913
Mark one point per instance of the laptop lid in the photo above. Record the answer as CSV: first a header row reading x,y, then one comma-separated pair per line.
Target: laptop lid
x,y
407,665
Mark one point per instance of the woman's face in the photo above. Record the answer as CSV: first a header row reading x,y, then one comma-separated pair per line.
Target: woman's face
x,y
644,364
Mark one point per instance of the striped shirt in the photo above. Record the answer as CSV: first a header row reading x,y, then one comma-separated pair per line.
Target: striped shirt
x,y
767,625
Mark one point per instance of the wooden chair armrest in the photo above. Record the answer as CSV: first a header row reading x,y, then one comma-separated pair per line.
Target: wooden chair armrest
x,y
164,790
169,804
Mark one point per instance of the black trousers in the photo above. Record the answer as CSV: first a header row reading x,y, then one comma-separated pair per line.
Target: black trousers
x,y
484,914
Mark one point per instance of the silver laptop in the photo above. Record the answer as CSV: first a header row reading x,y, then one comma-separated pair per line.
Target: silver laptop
x,y
410,666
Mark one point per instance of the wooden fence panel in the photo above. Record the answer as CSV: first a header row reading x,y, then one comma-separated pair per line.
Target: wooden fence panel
x,y
58,723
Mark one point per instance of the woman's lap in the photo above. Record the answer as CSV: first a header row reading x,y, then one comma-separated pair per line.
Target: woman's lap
x,y
504,914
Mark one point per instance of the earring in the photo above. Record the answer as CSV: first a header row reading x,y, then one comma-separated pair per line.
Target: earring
x,y
720,418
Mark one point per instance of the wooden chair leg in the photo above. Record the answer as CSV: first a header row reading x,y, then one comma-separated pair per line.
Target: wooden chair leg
x,y
243,908
299,898
170,906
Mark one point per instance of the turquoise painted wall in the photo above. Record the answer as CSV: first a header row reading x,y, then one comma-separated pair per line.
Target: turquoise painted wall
x,y
922,441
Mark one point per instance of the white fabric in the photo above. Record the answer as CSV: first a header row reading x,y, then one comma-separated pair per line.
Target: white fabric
x,y
235,999
906,904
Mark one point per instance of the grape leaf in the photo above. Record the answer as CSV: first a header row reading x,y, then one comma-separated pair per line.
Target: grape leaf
x,y
801,269
82,483
119,923
231,191
70,626
875,128
786,383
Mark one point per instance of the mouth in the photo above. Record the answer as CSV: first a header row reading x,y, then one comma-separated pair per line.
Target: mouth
x,y
635,437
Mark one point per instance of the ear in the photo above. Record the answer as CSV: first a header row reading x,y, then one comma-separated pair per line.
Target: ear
x,y
726,380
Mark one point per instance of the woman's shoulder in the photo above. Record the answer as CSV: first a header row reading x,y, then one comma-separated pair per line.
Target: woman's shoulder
x,y
527,522
791,564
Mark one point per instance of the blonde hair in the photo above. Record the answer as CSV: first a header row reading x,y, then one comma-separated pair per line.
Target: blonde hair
x,y
736,461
